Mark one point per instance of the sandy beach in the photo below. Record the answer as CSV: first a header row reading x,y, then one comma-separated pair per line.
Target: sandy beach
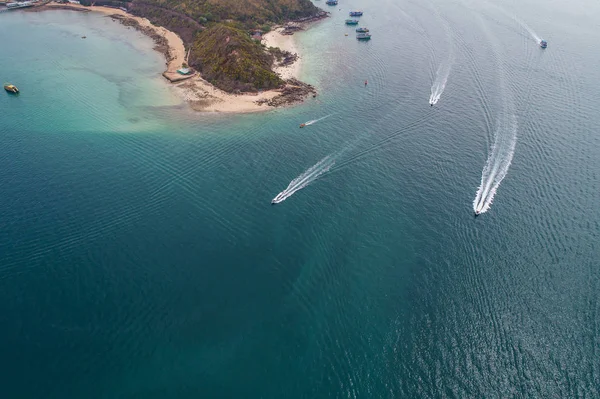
x,y
287,43
201,95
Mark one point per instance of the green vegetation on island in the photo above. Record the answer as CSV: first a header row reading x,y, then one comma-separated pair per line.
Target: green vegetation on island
x,y
231,60
218,33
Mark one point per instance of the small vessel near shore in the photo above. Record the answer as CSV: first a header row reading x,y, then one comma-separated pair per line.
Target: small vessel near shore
x,y
331,2
352,22
11,88
363,36
362,30
543,44
356,13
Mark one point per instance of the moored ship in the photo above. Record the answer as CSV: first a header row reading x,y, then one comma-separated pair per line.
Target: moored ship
x,y
11,88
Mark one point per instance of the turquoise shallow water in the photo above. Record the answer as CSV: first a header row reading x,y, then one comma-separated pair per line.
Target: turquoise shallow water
x,y
140,257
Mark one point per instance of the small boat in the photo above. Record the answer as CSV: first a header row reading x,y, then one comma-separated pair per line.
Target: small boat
x,y
11,88
366,82
352,22
302,125
363,36
356,13
331,2
543,44
345,34
83,37
362,30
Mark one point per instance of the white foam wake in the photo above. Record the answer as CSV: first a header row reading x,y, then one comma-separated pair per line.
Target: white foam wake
x,y
534,35
310,175
443,72
440,81
316,120
498,162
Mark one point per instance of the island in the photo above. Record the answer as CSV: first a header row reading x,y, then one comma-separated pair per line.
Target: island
x,y
222,55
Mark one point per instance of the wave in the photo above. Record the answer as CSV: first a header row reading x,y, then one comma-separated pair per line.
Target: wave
x,y
310,175
312,122
497,164
443,72
440,81
533,34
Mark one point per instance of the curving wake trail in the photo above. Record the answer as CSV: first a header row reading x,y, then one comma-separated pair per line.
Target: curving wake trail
x,y
498,162
310,175
312,122
534,35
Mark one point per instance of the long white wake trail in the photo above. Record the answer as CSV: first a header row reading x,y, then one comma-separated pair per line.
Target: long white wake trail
x,y
498,162
310,175
316,120
443,72
534,35
440,81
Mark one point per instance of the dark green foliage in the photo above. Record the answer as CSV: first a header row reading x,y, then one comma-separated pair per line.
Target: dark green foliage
x,y
251,13
232,61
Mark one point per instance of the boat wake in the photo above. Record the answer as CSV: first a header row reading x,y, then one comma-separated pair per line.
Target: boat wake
x,y
443,72
497,164
309,176
534,35
316,120
440,81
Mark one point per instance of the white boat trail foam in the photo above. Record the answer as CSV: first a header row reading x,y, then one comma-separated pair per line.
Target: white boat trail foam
x,y
534,35
440,81
316,120
309,176
443,72
497,164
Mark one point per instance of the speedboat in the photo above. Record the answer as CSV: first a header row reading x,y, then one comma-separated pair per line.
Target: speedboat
x,y
352,22
302,125
543,44
362,30
477,213
11,88
356,13
363,36
273,202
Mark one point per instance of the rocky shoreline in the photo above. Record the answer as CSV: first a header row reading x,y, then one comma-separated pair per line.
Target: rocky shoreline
x,y
161,44
294,92
198,93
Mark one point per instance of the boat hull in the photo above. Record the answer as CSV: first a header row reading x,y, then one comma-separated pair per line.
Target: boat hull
x,y
11,89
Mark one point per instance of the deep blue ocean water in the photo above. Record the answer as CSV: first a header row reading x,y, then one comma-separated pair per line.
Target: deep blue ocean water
x,y
140,256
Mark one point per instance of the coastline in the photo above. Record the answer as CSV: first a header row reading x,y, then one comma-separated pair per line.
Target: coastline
x,y
199,94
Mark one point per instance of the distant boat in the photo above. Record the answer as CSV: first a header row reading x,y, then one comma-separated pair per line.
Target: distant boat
x,y
362,30
331,2
11,88
356,13
352,22
543,44
302,125
363,36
